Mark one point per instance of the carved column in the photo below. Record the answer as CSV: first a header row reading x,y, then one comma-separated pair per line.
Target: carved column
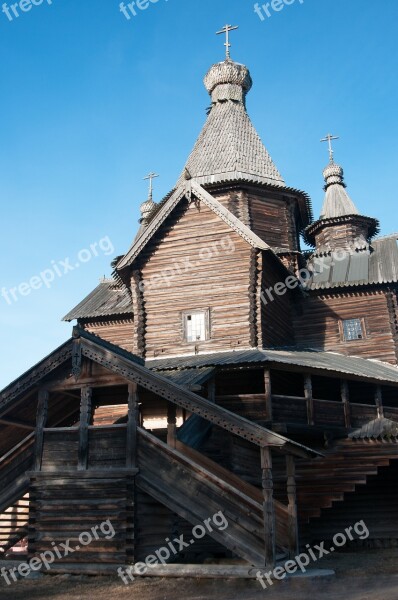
x,y
41,422
86,415
308,393
268,394
379,401
345,396
268,507
171,425
292,497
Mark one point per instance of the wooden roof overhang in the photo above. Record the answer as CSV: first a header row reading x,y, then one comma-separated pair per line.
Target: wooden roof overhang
x,y
132,369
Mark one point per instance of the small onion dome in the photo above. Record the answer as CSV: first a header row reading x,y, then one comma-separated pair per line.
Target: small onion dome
x,y
333,174
147,208
228,80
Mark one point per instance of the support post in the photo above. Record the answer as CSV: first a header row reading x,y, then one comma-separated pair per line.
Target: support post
x,y
379,402
85,421
268,394
345,396
268,507
41,422
171,425
211,390
309,396
132,422
292,497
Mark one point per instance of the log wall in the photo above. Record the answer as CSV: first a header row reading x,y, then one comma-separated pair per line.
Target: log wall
x,y
202,276
317,325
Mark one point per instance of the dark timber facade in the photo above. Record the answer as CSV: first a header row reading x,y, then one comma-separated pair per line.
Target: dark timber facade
x,y
220,369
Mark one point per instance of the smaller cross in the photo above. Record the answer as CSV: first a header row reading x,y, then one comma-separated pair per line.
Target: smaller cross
x,y
226,29
329,138
151,177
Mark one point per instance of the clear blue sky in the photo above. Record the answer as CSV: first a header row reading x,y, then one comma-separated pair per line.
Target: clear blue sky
x,y
91,101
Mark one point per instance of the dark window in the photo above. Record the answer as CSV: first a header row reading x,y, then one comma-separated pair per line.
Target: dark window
x,y
353,330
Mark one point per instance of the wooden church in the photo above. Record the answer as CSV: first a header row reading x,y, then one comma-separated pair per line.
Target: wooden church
x,y
221,368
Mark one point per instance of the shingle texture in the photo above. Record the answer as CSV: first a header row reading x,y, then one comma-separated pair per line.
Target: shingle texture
x,y
108,298
229,148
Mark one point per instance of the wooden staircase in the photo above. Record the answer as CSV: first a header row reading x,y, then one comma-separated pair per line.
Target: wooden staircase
x,y
14,486
325,481
166,473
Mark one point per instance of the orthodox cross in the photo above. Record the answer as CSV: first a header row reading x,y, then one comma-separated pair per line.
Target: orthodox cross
x,y
151,177
329,138
226,29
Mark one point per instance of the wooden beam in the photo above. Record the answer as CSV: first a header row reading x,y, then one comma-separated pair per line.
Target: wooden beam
x,y
308,393
292,497
132,422
345,396
86,415
17,423
41,421
171,425
379,401
268,394
268,507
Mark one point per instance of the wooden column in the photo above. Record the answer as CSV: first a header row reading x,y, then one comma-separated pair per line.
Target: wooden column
x,y
211,390
345,396
132,422
268,394
86,411
171,425
268,507
308,393
379,402
41,422
292,496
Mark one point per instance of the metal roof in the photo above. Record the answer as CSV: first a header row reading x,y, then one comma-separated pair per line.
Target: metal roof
x,y
376,265
108,298
188,377
307,359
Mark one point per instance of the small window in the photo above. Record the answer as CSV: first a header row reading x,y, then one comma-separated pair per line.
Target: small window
x,y
353,329
196,326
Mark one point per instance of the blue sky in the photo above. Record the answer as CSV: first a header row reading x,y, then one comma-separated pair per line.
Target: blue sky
x,y
91,102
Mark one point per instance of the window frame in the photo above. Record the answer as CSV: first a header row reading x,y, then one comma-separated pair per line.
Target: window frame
x,y
343,331
197,311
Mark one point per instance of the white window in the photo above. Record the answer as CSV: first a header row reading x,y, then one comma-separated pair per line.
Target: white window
x,y
353,330
196,326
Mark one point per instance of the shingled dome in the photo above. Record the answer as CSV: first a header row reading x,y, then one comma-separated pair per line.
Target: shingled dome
x,y
229,148
337,201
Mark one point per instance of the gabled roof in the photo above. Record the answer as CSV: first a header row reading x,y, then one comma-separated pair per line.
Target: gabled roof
x,y
131,368
108,298
185,191
311,360
378,265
